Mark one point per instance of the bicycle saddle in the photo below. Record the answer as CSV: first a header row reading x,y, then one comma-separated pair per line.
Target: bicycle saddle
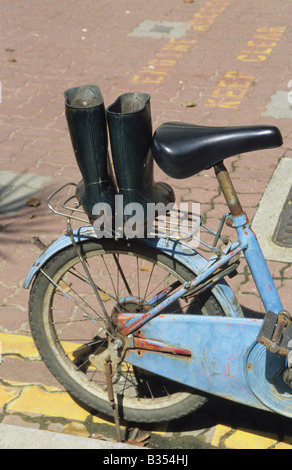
x,y
182,150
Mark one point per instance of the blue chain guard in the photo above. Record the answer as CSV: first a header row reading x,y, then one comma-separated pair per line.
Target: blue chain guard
x,y
225,360
264,374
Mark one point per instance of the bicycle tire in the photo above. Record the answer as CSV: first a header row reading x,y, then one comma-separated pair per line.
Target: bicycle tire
x,y
55,329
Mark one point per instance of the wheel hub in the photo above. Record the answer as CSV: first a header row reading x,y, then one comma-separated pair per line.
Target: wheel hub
x,y
130,305
116,342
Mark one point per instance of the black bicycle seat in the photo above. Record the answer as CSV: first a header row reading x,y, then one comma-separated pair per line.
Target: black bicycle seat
x,y
182,150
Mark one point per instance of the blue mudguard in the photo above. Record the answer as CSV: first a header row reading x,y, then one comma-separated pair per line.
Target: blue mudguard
x,y
178,250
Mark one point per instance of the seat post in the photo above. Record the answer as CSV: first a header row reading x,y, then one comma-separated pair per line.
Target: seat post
x,y
228,190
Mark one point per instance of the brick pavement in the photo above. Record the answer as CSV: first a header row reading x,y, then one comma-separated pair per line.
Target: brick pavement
x,y
233,58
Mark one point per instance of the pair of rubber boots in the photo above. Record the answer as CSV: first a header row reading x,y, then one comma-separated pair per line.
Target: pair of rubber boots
x,y
130,128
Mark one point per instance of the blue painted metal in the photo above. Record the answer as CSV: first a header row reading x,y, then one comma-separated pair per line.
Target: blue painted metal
x,y
222,362
219,346
264,374
257,265
178,250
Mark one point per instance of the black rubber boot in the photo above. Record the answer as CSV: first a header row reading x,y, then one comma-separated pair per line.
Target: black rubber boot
x,y
85,114
130,128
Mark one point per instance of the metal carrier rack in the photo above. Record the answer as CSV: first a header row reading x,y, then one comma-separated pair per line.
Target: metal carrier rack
x,y
172,224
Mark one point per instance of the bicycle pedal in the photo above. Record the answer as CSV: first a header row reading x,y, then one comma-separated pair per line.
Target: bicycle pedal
x,y
276,333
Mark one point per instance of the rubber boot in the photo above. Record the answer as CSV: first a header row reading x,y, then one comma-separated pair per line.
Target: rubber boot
x,y
130,129
85,114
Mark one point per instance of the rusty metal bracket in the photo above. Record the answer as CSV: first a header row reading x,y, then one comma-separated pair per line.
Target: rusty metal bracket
x,y
111,397
115,350
276,332
37,242
230,271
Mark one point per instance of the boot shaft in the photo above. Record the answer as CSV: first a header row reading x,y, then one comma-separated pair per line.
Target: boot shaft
x,y
85,114
130,128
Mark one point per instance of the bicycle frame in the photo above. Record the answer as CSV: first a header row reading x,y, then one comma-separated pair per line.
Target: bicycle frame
x,y
217,355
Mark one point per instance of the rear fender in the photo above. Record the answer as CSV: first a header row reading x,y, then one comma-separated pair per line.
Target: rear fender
x,y
183,253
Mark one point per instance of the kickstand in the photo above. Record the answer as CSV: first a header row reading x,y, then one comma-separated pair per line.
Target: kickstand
x,y
110,392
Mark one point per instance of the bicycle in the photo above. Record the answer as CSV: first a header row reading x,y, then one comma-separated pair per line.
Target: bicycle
x,y
150,326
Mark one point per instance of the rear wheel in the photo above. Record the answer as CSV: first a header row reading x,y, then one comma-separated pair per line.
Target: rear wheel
x,y
69,325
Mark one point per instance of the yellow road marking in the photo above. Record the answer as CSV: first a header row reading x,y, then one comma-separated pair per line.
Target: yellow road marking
x,y
18,345
229,438
262,44
233,86
220,431
241,439
157,69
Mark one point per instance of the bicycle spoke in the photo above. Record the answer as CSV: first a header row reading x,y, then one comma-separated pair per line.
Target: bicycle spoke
x,y
149,280
84,279
122,274
110,277
68,296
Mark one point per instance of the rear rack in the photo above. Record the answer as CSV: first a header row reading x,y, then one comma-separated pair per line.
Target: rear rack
x,y
71,210
173,224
